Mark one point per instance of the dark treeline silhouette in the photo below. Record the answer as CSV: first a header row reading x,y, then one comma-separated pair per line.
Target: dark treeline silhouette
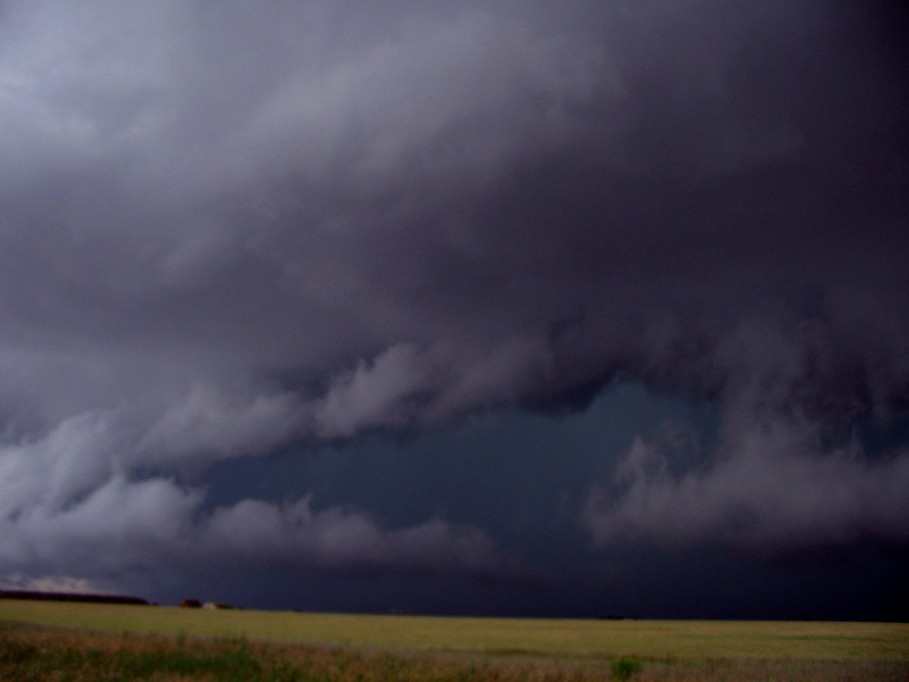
x,y
71,596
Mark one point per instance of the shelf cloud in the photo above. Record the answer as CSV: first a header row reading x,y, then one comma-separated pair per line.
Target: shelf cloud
x,y
231,230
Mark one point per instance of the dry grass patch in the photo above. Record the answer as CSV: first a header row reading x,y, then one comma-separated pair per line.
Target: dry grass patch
x,y
70,641
29,653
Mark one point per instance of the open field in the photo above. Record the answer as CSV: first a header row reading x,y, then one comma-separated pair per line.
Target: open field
x,y
201,644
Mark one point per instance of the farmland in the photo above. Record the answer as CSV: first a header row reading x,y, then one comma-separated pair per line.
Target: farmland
x,y
143,642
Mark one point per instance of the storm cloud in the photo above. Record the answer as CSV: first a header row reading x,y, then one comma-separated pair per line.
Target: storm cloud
x,y
231,230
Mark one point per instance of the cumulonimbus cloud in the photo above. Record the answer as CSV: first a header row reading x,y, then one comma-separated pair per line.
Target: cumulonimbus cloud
x,y
228,229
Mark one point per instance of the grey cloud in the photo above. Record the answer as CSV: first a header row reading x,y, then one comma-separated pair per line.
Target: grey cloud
x,y
66,463
372,395
407,385
70,500
124,525
769,496
20,581
296,535
781,479
208,424
140,520
226,229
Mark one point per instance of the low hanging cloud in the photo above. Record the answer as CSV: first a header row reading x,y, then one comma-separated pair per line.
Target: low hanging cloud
x,y
69,496
769,496
781,478
227,230
374,394
337,539
156,523
206,425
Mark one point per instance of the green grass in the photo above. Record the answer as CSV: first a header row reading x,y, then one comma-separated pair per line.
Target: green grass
x,y
572,638
177,643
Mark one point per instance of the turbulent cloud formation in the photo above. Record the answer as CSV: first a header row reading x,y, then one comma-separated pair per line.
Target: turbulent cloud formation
x,y
781,478
773,492
156,524
227,229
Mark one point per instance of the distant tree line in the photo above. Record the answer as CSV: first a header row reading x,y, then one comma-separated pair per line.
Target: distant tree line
x,y
71,596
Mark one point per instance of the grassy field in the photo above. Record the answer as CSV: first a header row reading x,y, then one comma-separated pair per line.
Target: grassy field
x,y
55,637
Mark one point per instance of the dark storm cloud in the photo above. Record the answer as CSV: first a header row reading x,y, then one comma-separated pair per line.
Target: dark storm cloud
x,y
227,228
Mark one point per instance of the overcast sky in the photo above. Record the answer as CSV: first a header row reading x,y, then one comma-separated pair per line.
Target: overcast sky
x,y
538,308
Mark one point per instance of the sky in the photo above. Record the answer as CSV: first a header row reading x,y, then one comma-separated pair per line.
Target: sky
x,y
574,309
